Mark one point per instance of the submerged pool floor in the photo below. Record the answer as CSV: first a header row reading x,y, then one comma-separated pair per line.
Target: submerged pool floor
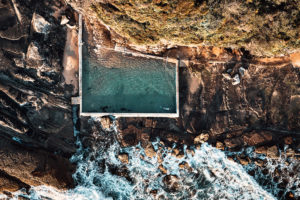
x,y
119,83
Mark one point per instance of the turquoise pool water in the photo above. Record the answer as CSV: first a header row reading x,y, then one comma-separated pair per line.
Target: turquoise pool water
x,y
119,83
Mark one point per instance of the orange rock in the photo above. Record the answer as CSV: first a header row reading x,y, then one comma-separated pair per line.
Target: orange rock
x,y
261,150
257,138
288,140
149,151
162,169
295,59
201,138
272,152
123,157
220,145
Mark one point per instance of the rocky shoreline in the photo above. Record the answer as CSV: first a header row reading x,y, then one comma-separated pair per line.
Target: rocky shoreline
x,y
228,98
36,117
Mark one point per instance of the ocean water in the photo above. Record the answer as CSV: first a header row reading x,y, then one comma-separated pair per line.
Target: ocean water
x,y
119,83
211,175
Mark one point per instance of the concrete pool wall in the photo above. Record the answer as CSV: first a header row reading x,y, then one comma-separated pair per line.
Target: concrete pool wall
x,y
124,114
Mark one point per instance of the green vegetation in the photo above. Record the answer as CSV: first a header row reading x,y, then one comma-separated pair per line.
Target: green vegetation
x,y
266,27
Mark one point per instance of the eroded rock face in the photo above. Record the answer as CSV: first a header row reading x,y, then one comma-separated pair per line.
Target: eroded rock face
x,y
265,28
36,128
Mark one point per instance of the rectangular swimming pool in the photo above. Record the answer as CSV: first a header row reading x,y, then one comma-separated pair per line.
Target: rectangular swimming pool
x,y
119,84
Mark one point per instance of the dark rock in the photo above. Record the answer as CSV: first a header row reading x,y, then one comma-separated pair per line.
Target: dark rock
x,y
35,117
254,139
171,182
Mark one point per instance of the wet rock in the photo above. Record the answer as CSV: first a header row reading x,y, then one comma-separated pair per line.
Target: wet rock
x,y
201,138
259,163
129,136
159,157
220,145
257,138
175,152
242,71
162,169
145,137
180,155
261,150
288,140
185,165
153,193
106,122
172,138
236,80
272,152
232,143
198,146
243,161
149,151
171,182
190,152
123,157
290,152
123,171
39,24
21,197
290,195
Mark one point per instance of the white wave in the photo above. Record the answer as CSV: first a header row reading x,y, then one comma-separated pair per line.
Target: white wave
x,y
212,175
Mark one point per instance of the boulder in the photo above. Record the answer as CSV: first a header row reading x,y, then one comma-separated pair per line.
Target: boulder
x,y
232,143
106,122
261,150
272,152
171,182
185,165
162,169
288,140
257,138
145,137
149,151
290,152
201,138
64,20
123,157
259,163
175,152
236,80
243,161
33,52
220,145
39,24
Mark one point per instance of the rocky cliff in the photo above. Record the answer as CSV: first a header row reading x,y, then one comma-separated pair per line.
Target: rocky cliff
x,y
266,28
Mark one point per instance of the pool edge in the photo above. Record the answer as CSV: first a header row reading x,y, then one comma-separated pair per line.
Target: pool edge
x,y
92,114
